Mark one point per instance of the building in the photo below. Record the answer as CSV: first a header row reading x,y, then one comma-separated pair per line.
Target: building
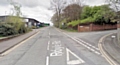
x,y
30,22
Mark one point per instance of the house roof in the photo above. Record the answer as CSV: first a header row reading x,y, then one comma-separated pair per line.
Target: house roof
x,y
22,18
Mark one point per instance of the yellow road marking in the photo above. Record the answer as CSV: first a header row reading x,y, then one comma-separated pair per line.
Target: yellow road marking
x,y
8,51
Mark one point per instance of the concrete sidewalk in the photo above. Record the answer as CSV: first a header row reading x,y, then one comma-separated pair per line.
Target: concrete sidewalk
x,y
5,45
112,47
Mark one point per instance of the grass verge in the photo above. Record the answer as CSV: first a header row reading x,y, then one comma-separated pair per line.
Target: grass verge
x,y
70,30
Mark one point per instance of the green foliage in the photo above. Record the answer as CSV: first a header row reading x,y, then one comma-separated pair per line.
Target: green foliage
x,y
7,29
97,14
70,30
94,10
90,11
13,24
74,23
17,23
86,12
63,24
10,28
87,20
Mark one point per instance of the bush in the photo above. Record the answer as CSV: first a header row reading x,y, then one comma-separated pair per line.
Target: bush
x,y
18,24
73,23
7,29
23,29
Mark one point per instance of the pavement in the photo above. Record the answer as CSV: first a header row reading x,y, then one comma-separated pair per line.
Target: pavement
x,y
112,47
9,43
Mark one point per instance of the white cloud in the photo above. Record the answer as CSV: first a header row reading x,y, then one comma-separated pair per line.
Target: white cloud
x,y
4,2
5,10
39,13
94,2
34,3
37,9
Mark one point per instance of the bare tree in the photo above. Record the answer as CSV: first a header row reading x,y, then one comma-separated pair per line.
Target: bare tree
x,y
16,9
116,4
72,12
58,6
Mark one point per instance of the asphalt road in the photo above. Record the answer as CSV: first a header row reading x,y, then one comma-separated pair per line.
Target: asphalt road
x,y
53,47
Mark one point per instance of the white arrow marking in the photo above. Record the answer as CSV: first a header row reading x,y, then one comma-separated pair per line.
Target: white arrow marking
x,y
79,61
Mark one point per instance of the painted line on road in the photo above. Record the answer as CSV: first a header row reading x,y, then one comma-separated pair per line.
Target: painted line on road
x,y
96,52
8,51
104,54
48,46
49,34
88,44
57,49
47,60
73,62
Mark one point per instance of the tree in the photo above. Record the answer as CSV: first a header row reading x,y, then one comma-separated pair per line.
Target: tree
x,y
114,3
107,12
58,6
100,14
86,12
16,9
54,20
15,19
72,12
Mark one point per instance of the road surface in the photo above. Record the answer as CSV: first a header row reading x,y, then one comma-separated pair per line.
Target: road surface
x,y
53,47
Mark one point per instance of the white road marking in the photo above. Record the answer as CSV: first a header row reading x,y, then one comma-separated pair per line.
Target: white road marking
x,y
73,62
48,45
47,60
49,33
87,43
97,53
79,41
87,47
57,49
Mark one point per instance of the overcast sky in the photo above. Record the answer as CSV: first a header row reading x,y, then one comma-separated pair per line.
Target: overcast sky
x,y
37,9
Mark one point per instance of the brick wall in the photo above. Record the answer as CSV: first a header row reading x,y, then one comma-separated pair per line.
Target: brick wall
x,y
118,25
93,27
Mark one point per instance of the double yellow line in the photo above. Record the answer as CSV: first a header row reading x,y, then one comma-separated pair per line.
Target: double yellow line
x,y
106,56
